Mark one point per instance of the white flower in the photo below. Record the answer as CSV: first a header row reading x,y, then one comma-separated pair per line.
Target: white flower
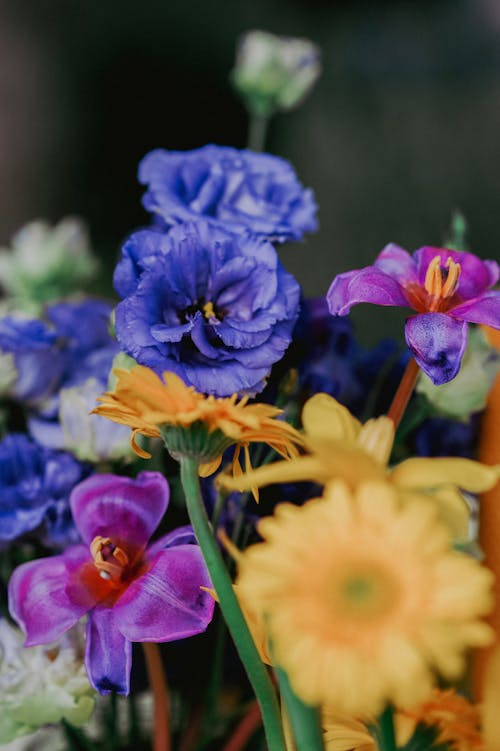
x,y
274,72
46,263
41,685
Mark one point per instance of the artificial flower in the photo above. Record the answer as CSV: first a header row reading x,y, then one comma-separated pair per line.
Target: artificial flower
x,y
46,263
274,72
41,685
358,587
214,308
447,289
146,404
238,191
35,485
339,446
129,592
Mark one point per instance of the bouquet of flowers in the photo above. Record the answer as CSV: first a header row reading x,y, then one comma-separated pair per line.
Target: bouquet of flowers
x,y
323,578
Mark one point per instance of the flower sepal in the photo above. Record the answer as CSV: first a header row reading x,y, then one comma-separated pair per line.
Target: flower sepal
x,y
197,442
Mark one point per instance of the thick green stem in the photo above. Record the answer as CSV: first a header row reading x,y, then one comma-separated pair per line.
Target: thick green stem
x,y
257,131
256,670
386,730
304,719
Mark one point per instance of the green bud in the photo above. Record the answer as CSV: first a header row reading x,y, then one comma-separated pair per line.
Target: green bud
x,y
46,263
468,391
274,73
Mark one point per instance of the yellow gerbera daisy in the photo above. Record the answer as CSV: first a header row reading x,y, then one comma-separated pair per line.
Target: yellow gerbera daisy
x,y
344,733
147,404
364,598
339,446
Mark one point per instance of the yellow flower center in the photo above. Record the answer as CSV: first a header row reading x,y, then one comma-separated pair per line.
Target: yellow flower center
x,y
441,282
208,310
367,592
109,559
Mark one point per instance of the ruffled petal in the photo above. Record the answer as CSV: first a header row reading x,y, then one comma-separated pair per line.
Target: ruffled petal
x,y
119,507
438,343
484,309
39,597
370,285
167,602
108,654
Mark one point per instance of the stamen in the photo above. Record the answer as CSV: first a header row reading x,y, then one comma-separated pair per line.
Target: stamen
x,y
208,311
451,283
433,279
109,559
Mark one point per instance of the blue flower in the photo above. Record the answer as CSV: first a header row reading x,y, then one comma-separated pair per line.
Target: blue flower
x,y
37,363
235,190
35,484
216,309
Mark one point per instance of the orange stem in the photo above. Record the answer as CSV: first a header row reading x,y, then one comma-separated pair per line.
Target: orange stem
x,y
246,728
489,517
158,683
405,390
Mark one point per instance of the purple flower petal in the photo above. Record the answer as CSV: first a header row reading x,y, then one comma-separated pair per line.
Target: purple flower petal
x,y
38,597
179,536
108,655
397,263
166,603
119,507
363,285
484,309
438,343
476,277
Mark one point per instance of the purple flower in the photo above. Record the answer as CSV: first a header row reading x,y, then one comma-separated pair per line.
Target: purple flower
x,y
130,592
447,288
35,484
216,309
37,361
235,190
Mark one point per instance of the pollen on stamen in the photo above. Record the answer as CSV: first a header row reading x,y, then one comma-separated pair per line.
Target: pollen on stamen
x,y
208,310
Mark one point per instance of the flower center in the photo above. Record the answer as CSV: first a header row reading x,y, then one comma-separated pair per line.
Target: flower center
x,y
441,282
109,559
208,310
364,593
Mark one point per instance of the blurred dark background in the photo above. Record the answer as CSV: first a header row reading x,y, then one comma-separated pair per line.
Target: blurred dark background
x,y
403,127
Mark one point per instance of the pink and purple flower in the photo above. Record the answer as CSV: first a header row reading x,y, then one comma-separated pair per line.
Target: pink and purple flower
x,y
447,289
129,591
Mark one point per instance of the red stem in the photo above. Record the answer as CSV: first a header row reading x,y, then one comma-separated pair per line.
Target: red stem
x,y
402,395
246,728
158,683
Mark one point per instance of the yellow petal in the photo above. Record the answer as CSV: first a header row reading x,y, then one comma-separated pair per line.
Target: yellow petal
x,y
430,473
376,438
491,704
207,469
304,468
324,416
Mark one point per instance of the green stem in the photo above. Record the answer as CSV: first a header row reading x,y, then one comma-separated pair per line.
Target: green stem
x,y
304,719
257,131
386,730
256,671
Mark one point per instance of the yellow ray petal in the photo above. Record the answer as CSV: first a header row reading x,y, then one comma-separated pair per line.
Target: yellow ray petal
x,y
491,704
430,473
322,415
304,468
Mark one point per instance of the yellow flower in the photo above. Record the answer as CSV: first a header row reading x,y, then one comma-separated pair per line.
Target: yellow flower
x,y
147,404
344,733
339,446
363,598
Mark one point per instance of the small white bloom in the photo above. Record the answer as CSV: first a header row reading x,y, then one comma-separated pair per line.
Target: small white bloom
x,y
46,263
90,437
274,72
41,685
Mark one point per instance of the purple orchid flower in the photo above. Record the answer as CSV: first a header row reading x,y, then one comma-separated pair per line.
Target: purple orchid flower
x,y
129,592
447,288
